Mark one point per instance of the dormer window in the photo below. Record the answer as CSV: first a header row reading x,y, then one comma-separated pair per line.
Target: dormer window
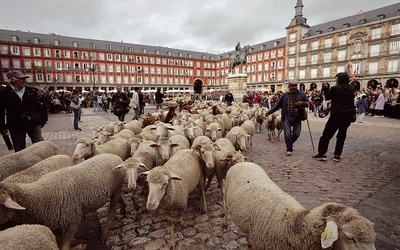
x,y
276,43
14,38
180,54
144,51
362,21
74,44
56,42
108,47
346,25
319,32
190,55
381,17
157,52
35,40
331,29
169,53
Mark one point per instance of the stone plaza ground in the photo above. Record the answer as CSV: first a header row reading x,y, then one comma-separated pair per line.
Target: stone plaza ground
x,y
367,178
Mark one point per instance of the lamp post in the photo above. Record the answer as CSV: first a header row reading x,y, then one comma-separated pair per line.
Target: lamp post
x,y
93,69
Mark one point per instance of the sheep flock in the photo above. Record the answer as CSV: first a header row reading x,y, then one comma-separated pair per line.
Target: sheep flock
x,y
163,168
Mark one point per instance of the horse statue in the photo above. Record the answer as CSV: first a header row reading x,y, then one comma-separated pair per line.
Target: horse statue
x,y
239,58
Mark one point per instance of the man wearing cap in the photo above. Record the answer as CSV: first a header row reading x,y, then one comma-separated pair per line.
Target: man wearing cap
x,y
342,113
20,111
288,104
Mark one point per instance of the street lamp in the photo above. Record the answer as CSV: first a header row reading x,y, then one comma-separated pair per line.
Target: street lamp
x,y
93,69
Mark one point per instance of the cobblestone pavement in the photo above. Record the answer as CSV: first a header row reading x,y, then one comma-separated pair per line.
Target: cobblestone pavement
x,y
367,178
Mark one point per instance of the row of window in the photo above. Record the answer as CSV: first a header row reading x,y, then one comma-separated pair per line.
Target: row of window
x,y
356,69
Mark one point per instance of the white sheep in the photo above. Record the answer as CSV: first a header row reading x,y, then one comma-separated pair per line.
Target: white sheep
x,y
171,184
104,136
192,131
86,148
135,126
144,158
148,133
239,138
167,130
41,168
214,131
249,128
96,129
278,124
33,237
166,147
60,198
272,219
21,160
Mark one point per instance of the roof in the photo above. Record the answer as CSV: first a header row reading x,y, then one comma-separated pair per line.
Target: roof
x,y
369,17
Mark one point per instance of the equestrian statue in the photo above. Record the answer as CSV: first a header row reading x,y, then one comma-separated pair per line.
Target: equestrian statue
x,y
239,57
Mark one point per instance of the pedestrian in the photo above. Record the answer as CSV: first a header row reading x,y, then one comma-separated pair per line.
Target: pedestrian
x,y
99,102
94,101
289,102
341,116
159,99
120,103
229,98
362,107
134,103
142,101
20,111
379,103
77,111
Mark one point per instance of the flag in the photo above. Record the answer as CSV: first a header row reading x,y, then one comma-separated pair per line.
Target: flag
x,y
348,68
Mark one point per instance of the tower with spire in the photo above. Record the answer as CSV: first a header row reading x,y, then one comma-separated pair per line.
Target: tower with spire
x,y
296,30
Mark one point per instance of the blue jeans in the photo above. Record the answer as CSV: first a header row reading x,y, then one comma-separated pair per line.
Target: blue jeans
x,y
77,114
158,106
291,131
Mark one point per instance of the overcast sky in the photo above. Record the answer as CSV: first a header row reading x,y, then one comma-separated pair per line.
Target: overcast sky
x,y
212,26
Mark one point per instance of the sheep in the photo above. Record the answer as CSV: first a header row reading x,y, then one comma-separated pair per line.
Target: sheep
x,y
239,138
135,126
278,125
214,131
60,198
250,129
41,168
86,148
166,130
148,134
34,237
144,158
192,131
21,160
148,119
95,130
104,136
272,219
165,147
171,184
270,126
259,118
135,142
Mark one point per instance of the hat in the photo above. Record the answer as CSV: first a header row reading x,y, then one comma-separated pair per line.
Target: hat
x,y
292,82
16,74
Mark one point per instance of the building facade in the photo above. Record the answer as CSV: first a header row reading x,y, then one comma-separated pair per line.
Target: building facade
x,y
366,45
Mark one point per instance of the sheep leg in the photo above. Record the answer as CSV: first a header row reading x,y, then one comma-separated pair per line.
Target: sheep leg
x,y
68,236
135,204
172,244
115,197
122,205
203,201
209,181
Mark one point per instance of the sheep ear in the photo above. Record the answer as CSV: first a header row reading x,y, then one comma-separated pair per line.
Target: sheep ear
x,y
330,234
12,204
145,173
174,145
175,177
119,166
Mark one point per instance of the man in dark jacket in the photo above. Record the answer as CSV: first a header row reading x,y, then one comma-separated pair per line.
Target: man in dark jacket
x,y
229,97
342,114
20,111
120,103
289,102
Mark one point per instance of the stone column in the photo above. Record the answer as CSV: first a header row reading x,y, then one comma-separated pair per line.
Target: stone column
x,y
237,84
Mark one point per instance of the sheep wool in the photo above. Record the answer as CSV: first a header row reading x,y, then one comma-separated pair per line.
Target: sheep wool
x,y
21,160
60,198
33,237
272,219
41,168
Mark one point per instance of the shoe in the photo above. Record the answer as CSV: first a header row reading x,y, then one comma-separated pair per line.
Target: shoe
x,y
288,153
78,129
336,158
320,157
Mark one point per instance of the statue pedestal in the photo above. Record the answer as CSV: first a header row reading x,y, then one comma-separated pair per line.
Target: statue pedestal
x,y
237,84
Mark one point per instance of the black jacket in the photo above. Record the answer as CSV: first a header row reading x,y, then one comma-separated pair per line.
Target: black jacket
x,y
14,107
342,96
